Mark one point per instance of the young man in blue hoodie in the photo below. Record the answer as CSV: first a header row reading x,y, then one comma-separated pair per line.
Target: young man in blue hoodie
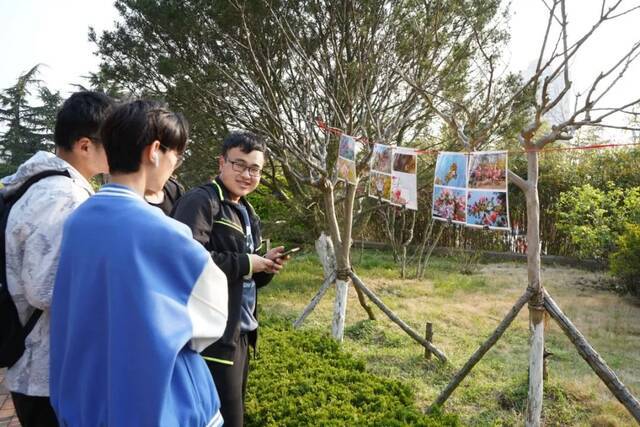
x,y
135,298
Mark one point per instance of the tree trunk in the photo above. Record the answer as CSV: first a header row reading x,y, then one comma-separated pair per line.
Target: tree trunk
x,y
536,360
340,309
536,308
424,264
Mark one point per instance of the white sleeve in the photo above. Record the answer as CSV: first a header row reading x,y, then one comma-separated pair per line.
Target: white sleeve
x,y
207,307
47,214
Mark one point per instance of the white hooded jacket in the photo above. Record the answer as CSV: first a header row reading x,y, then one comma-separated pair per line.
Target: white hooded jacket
x,y
33,238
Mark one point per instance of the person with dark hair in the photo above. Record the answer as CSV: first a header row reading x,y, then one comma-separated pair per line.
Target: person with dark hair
x,y
167,198
224,222
128,321
33,236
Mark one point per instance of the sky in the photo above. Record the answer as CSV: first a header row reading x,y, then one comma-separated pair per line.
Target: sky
x,y
612,40
55,34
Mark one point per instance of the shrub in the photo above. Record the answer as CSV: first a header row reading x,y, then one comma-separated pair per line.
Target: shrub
x,y
303,378
625,261
594,219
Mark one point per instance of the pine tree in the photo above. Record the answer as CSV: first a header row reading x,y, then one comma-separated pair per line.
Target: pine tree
x,y
26,128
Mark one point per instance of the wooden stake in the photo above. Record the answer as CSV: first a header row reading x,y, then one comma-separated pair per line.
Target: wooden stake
x,y
315,300
428,335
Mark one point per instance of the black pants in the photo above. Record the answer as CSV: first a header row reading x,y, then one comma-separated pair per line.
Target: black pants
x,y
231,383
34,411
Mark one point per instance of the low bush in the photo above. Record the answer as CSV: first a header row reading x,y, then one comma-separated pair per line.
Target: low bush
x,y
625,261
304,378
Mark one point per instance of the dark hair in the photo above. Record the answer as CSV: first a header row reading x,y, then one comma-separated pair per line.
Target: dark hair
x,y
247,141
81,116
132,126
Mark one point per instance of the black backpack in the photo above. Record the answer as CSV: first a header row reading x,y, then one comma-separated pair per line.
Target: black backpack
x,y
12,333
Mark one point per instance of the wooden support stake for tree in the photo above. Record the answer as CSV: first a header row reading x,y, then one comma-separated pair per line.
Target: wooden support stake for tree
x,y
599,366
315,300
482,350
413,334
428,335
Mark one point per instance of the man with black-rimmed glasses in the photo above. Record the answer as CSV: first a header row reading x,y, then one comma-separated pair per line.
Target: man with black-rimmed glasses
x,y
224,222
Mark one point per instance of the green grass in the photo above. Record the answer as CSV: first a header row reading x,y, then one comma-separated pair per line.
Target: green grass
x,y
464,310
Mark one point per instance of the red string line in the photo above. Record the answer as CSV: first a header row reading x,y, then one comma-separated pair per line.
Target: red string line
x,y
336,131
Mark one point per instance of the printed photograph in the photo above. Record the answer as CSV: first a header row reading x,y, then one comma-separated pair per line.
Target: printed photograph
x,y
449,203
347,147
451,170
404,191
380,186
381,159
346,170
488,208
405,163
488,171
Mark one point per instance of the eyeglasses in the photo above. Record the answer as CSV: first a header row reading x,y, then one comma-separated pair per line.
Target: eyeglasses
x,y
179,156
240,166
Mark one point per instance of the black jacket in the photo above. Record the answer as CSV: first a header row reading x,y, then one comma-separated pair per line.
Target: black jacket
x,y
217,225
172,190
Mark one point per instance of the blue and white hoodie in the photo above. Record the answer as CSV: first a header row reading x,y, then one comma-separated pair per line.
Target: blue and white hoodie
x,y
135,300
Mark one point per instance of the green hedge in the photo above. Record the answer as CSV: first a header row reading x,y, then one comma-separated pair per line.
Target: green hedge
x,y
303,378
625,261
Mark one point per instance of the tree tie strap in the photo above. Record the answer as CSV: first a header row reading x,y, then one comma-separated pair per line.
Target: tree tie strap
x,y
343,274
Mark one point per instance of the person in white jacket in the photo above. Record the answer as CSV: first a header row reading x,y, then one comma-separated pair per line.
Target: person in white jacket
x,y
33,238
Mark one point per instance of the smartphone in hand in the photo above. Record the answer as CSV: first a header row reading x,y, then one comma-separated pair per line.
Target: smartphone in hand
x,y
289,252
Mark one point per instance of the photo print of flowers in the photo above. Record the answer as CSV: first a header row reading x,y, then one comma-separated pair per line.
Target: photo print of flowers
x,y
488,170
346,170
488,209
347,148
451,170
346,164
380,185
404,183
381,159
449,204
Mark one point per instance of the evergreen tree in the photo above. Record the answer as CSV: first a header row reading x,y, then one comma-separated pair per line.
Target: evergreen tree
x,y
26,128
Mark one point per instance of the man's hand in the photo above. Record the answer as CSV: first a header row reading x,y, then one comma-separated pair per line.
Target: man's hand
x,y
272,262
262,264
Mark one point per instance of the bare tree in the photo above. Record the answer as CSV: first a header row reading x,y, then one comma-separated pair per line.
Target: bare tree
x,y
474,128
338,62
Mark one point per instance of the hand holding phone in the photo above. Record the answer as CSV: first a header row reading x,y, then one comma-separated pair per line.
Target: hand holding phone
x,y
287,253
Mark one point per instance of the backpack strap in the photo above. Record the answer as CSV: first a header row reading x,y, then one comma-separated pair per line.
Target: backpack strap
x,y
8,202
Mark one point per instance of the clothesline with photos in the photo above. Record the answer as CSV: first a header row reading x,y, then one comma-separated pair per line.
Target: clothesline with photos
x,y
469,188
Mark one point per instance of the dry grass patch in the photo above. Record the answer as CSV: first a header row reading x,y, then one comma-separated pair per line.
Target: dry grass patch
x,y
465,310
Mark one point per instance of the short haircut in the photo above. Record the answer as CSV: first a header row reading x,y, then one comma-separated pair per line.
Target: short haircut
x,y
132,126
81,116
247,141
